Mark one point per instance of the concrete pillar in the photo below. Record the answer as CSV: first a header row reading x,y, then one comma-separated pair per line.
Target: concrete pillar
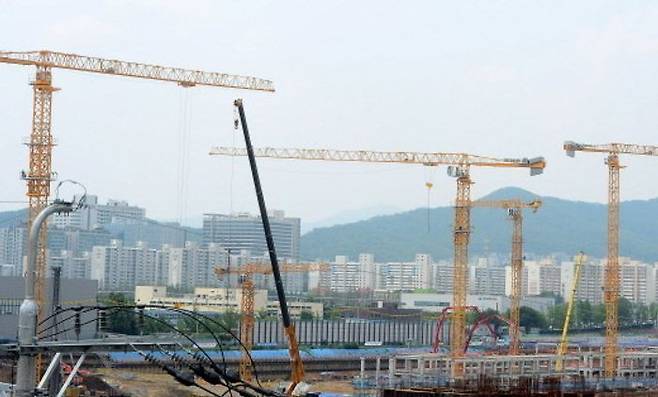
x,y
378,365
391,371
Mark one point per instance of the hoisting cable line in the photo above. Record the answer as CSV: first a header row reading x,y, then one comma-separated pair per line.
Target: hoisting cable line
x,y
429,184
184,138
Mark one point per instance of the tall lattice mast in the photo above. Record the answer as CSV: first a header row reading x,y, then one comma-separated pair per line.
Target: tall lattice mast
x,y
611,282
41,141
515,212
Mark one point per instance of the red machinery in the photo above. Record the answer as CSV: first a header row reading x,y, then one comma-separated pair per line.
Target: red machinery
x,y
482,319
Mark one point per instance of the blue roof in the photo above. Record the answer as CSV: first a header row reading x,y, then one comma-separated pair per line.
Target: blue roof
x,y
280,354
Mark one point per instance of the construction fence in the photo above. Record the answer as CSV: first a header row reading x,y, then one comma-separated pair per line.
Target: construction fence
x,y
328,332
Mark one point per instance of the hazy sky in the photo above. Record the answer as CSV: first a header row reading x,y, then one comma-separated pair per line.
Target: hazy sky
x,y
508,79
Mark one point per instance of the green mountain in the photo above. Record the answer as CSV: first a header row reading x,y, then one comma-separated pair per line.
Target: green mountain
x,y
13,218
559,227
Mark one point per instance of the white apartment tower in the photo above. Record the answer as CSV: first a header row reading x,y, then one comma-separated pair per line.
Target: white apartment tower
x,y
401,276
442,276
634,280
72,266
119,268
13,240
424,261
192,266
94,215
543,276
590,282
346,276
245,232
486,279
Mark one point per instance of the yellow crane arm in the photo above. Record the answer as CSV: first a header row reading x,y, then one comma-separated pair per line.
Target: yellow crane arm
x,y
261,268
536,164
458,166
183,77
507,204
617,148
564,343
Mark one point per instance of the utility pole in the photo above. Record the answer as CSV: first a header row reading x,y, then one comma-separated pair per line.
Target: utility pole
x,y
27,316
55,380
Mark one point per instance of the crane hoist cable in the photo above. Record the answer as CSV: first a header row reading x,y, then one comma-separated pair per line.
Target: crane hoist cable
x,y
184,138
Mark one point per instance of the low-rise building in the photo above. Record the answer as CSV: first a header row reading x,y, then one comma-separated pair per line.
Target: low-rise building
x,y
430,302
296,308
220,300
215,300
438,302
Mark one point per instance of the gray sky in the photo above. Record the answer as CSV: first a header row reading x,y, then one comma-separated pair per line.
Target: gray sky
x,y
508,79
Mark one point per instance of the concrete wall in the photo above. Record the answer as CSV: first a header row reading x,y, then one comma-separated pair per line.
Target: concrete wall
x,y
73,292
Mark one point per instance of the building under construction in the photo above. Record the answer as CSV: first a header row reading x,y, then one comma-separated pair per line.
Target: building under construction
x,y
451,371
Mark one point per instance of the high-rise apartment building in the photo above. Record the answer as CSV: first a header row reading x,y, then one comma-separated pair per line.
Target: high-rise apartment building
x,y
347,276
442,276
119,268
424,261
73,266
117,211
634,279
78,241
486,278
543,276
245,232
94,215
365,274
13,241
192,266
401,276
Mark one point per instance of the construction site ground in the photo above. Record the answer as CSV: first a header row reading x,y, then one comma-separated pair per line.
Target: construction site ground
x,y
144,384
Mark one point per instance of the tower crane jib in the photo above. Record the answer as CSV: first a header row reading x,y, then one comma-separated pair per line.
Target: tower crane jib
x,y
459,167
41,142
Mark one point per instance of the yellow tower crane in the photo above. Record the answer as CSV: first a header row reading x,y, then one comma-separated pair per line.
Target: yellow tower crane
x,y
611,282
564,343
40,173
514,209
459,165
246,273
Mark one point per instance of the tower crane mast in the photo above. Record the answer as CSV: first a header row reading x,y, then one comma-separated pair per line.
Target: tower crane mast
x,y
514,208
246,273
611,282
458,166
40,173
